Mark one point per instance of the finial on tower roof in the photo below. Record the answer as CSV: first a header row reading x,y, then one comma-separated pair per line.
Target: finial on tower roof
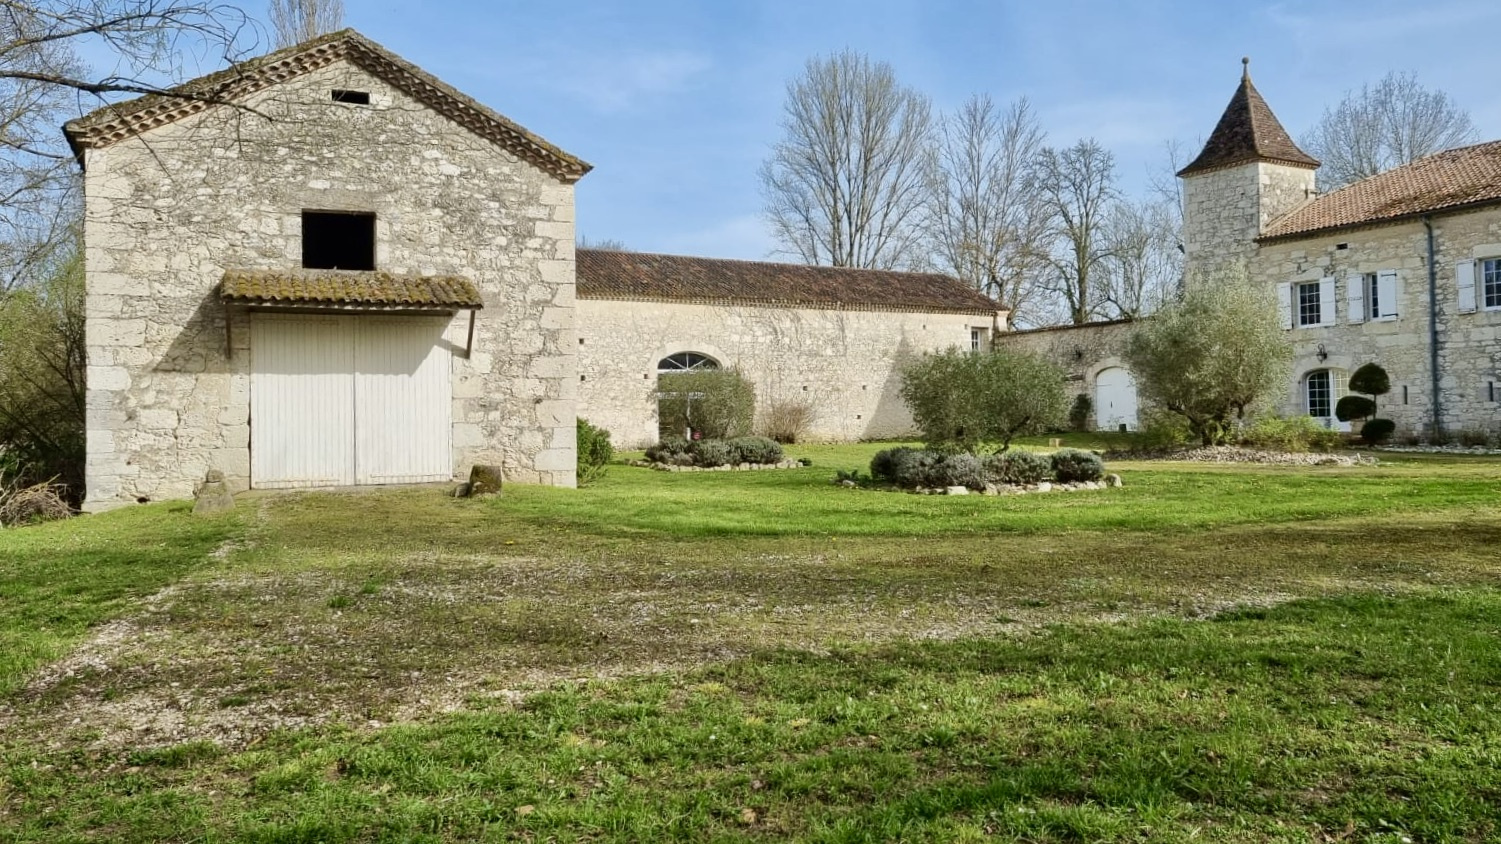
x,y
1245,67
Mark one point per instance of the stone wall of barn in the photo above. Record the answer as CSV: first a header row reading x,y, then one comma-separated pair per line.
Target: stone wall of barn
x,y
167,213
1469,348
844,363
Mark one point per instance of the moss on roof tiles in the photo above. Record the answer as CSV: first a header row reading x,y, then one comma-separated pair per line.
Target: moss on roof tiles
x,y
347,288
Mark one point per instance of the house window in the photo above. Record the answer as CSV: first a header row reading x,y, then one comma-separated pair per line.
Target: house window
x,y
1372,284
1490,276
1319,390
976,339
338,240
1310,306
351,97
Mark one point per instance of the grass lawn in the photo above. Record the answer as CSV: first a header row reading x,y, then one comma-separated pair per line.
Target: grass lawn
x,y
1211,652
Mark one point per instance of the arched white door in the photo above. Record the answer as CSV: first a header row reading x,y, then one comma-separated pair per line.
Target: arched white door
x,y
1115,399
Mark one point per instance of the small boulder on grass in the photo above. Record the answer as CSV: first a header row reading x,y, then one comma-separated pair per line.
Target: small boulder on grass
x,y
484,480
213,495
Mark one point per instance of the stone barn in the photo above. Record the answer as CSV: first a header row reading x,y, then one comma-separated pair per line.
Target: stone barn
x,y
831,337
324,267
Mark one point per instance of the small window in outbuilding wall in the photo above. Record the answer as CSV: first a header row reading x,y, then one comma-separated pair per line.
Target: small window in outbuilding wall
x,y
338,240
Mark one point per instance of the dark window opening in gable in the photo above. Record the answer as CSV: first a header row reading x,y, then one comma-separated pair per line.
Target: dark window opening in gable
x,y
338,240
352,97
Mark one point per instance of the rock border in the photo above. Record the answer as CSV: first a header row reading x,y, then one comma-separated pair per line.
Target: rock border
x,y
728,467
1110,481
1238,454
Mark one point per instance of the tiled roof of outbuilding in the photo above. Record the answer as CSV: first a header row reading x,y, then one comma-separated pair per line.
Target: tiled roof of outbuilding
x,y
118,121
1248,131
608,274
348,289
1443,181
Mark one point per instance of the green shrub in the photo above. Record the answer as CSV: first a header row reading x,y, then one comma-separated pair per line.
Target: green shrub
x,y
594,452
963,401
883,464
960,469
1078,414
715,404
711,453
1294,433
1018,468
756,450
1072,465
912,468
1377,431
669,450
1163,430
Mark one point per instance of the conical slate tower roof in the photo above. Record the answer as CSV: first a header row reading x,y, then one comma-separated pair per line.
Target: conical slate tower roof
x,y
1248,131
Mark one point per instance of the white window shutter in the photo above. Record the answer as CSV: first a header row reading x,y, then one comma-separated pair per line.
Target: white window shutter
x,y
1464,275
1326,301
1386,293
1285,302
1355,297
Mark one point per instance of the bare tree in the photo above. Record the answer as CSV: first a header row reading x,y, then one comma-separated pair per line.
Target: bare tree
x,y
296,21
605,245
1078,186
985,218
1381,127
1143,266
43,82
845,186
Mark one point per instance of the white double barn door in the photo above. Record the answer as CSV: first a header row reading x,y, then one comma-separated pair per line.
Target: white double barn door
x,y
340,400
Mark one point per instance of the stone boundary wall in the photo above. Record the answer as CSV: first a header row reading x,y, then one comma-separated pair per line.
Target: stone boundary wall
x,y
1082,351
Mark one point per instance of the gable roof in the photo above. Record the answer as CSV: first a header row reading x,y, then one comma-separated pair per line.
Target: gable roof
x,y
1248,131
607,274
1454,179
118,121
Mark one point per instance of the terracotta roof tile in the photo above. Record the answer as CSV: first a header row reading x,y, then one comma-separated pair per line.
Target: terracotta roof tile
x,y
1248,131
1446,180
607,274
344,288
119,121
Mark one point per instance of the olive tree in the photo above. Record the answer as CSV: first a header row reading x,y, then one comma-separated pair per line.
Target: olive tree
x,y
969,401
1210,354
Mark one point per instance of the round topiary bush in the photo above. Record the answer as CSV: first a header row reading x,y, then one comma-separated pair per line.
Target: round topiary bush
x,y
1377,431
964,470
1370,379
711,453
756,450
1354,407
1018,468
1070,465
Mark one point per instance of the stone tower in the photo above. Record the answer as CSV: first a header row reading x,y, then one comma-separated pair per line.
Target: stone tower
x,y
1249,174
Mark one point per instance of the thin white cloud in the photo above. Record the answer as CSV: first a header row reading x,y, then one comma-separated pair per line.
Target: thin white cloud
x,y
619,82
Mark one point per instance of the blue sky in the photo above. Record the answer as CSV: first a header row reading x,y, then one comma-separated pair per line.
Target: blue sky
x,y
676,103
